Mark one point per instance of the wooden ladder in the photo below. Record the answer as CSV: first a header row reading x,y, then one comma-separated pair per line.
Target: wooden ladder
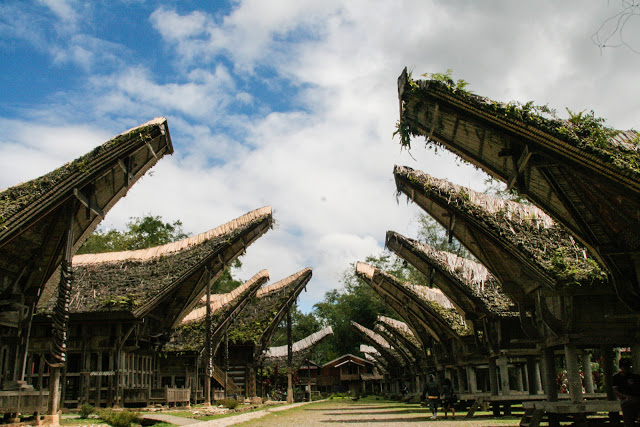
x,y
531,417
218,375
476,404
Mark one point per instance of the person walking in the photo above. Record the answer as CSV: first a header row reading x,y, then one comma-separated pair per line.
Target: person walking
x,y
449,398
431,394
626,385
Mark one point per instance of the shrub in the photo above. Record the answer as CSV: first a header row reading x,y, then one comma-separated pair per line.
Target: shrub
x,y
86,410
228,403
120,418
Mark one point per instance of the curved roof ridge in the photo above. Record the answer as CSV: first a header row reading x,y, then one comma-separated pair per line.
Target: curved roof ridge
x,y
365,269
303,344
274,287
220,300
396,324
157,251
375,337
513,211
430,294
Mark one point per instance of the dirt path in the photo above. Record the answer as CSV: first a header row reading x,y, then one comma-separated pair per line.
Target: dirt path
x,y
346,412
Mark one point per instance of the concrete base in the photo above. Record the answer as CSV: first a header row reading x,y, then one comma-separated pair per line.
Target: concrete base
x,y
51,420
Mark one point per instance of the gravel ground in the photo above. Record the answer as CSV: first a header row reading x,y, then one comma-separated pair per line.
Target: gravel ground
x,y
371,413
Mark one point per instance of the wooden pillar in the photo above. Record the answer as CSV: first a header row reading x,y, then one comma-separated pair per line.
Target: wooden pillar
x,y
208,356
573,373
503,365
251,385
493,377
532,376
549,366
289,358
520,373
588,372
635,357
61,320
472,379
607,370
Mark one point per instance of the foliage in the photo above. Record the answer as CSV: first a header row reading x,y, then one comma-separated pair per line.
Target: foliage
x,y
86,410
229,403
141,233
588,128
355,301
447,79
434,235
120,418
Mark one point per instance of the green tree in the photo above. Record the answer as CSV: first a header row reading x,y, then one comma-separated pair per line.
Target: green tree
x,y
141,233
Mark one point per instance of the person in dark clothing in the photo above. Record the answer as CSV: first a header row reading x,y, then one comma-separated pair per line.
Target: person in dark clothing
x,y
626,386
431,393
449,398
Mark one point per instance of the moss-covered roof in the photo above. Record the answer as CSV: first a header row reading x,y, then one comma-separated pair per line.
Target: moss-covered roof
x,y
382,345
620,150
127,281
267,308
470,278
190,336
401,329
301,350
15,199
522,228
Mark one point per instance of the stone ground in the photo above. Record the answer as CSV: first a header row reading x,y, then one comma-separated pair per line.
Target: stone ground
x,y
346,412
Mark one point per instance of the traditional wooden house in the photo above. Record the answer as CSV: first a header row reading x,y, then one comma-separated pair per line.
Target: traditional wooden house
x,y
401,332
347,373
42,223
123,306
448,339
546,272
477,295
187,358
583,174
277,359
247,339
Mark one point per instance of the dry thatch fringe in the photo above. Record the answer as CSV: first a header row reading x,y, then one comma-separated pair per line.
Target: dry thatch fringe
x,y
303,344
471,272
396,324
275,287
430,294
513,211
377,338
220,300
368,350
145,254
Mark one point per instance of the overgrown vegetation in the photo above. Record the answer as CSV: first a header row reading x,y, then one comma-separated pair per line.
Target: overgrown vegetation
x,y
581,129
86,410
124,418
229,403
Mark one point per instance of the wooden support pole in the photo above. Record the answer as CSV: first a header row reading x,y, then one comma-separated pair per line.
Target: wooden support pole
x,y
61,320
289,358
532,376
493,377
607,371
635,357
549,366
503,365
573,373
472,379
588,372
207,349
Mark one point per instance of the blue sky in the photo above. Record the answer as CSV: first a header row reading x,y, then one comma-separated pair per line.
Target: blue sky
x,y
287,103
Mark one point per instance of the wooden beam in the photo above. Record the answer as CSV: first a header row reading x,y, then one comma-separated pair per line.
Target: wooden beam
x,y
519,167
433,121
88,203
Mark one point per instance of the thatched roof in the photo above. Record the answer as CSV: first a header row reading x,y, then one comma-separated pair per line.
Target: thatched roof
x,y
583,174
397,343
190,335
259,320
404,333
468,284
441,322
504,235
371,355
387,351
301,350
33,215
169,279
